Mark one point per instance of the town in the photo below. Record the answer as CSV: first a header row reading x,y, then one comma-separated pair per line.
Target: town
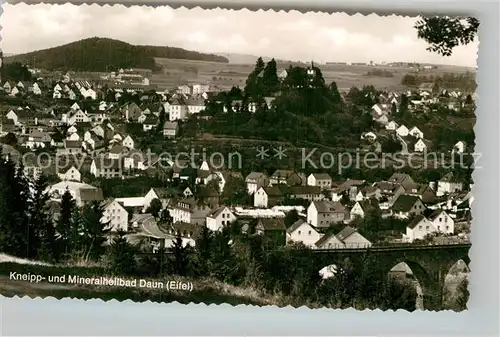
x,y
91,132
121,167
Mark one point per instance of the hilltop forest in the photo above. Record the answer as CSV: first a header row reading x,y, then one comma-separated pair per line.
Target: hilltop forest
x,y
103,54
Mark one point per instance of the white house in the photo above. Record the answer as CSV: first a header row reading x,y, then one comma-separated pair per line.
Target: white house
x,y
220,218
128,142
418,229
442,221
420,146
447,185
195,106
176,110
302,232
402,131
323,213
362,207
77,116
392,125
267,196
188,211
73,137
406,206
346,238
75,105
254,181
116,215
36,89
415,132
322,180
71,174
459,147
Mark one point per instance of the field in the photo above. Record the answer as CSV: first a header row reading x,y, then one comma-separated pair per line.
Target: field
x,y
225,75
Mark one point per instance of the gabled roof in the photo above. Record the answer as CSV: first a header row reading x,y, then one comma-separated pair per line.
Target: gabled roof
x,y
405,202
282,173
398,178
215,213
255,175
296,225
275,191
345,233
419,218
91,194
321,176
162,193
271,224
436,214
327,206
369,205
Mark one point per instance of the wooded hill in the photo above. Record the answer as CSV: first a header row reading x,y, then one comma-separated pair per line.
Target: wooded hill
x,y
103,54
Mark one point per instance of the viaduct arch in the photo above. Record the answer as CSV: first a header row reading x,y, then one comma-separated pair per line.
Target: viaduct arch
x,y
430,264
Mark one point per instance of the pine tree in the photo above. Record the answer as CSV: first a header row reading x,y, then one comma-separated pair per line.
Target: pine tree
x,y
270,79
122,256
94,231
24,234
64,225
200,261
41,221
180,257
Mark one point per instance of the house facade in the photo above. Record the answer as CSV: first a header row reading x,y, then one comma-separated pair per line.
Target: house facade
x,y
220,218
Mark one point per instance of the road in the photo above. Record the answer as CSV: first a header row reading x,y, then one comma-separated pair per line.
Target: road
x,y
150,228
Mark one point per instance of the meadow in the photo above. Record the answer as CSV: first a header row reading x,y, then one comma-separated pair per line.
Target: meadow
x,y
225,75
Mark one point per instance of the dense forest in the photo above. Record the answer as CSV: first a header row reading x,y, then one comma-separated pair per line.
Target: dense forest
x,y
103,54
465,82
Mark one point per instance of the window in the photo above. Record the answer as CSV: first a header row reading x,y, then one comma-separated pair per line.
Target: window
x,y
309,232
419,227
445,219
300,232
426,227
439,228
447,227
440,219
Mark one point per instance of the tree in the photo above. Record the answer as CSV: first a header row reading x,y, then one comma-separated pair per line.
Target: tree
x,y
9,139
165,218
235,192
15,72
270,78
154,207
21,198
41,221
445,33
94,231
14,218
200,260
180,257
122,256
64,225
291,217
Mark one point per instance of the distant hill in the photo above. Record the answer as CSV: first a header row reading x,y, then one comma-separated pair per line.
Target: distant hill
x,y
103,54
235,58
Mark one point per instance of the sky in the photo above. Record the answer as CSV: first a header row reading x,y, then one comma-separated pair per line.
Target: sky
x,y
294,36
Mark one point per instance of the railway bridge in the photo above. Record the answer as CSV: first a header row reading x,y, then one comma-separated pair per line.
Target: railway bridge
x,y
430,263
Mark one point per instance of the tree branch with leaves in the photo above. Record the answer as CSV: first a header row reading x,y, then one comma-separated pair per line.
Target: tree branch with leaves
x,y
444,33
